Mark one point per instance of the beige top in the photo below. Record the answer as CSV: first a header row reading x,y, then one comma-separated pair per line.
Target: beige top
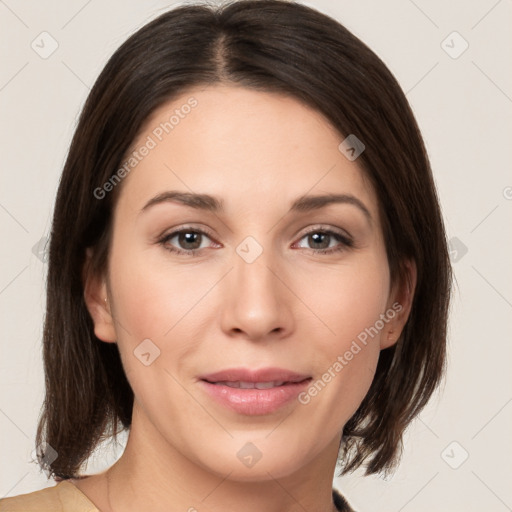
x,y
66,497
63,497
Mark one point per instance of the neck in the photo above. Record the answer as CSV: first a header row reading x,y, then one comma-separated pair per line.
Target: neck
x,y
153,475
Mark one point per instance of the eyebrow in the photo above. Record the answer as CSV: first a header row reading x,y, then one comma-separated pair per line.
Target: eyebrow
x,y
213,204
309,203
198,201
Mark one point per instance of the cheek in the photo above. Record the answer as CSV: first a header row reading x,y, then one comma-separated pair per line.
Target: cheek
x,y
156,303
151,299
349,303
346,299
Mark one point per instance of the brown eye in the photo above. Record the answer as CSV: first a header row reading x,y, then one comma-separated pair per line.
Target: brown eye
x,y
185,241
319,240
189,240
326,241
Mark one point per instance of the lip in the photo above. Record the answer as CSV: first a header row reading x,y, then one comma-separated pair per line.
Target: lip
x,y
254,401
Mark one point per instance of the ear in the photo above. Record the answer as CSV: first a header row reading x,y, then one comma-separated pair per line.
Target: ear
x,y
399,305
96,300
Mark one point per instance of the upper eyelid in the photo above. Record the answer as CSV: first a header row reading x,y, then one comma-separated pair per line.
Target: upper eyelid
x,y
328,229
185,229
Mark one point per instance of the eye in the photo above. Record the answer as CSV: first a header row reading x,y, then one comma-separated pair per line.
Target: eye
x,y
185,241
189,241
323,241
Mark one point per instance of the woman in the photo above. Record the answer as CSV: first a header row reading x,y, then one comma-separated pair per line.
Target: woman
x,y
248,269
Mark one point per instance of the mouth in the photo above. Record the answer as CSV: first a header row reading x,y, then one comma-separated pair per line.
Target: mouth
x,y
254,385
254,392
248,377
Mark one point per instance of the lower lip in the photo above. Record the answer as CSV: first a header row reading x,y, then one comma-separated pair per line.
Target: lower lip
x,y
254,402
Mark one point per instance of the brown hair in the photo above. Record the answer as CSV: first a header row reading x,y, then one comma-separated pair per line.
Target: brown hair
x,y
267,45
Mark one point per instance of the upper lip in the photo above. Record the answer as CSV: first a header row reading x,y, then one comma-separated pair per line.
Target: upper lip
x,y
260,375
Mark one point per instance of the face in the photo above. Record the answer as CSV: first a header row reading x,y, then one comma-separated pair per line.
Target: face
x,y
250,322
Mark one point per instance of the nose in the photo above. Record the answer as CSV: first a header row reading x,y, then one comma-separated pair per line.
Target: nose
x,y
258,302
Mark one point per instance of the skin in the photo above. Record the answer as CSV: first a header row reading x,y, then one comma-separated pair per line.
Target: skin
x,y
290,308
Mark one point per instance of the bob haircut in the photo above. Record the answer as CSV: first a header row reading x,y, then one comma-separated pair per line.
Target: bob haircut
x,y
269,46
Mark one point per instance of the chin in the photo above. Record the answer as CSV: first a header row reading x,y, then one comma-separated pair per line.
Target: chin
x,y
256,461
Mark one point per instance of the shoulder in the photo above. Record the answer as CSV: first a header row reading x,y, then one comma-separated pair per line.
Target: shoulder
x,y
63,497
340,502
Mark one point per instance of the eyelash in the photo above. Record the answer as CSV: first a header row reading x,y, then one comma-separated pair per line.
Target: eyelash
x,y
345,241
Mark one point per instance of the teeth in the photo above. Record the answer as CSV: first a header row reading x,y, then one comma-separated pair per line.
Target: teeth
x,y
251,385
266,385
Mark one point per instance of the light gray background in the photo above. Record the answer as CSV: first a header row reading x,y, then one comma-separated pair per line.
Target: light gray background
x,y
463,106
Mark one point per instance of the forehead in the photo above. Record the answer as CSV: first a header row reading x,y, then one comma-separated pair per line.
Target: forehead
x,y
251,148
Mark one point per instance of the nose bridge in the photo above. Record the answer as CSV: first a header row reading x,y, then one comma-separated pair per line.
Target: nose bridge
x,y
256,278
258,302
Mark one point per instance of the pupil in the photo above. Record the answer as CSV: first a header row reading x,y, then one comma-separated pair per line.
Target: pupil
x,y
317,239
188,238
